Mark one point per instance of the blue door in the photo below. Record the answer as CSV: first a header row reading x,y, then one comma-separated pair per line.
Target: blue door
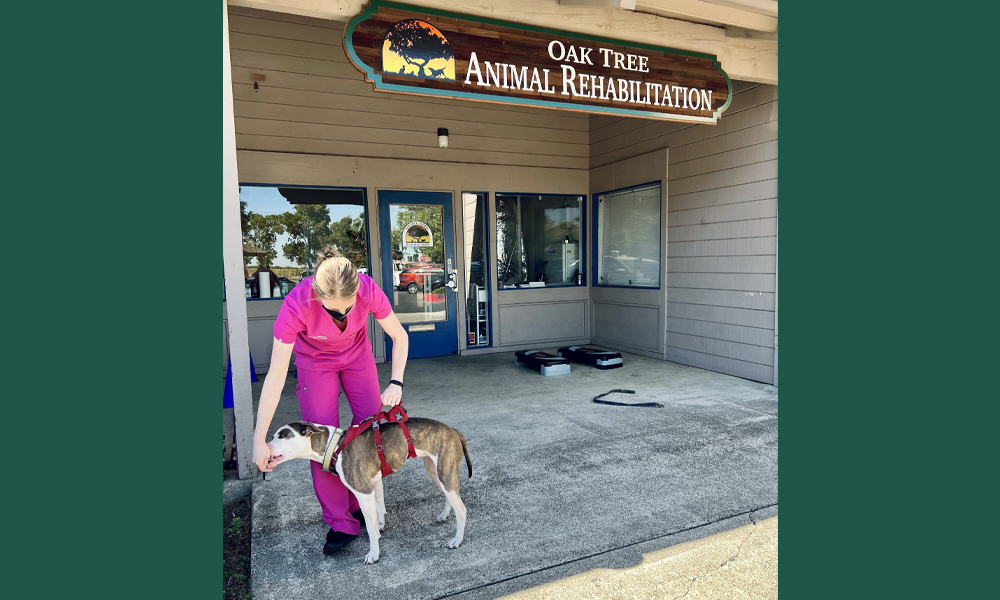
x,y
418,275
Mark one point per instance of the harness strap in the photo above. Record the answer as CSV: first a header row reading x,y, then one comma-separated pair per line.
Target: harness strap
x,y
331,446
645,404
399,416
394,415
386,469
410,452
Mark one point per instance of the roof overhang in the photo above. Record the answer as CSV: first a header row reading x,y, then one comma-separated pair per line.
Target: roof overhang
x,y
741,33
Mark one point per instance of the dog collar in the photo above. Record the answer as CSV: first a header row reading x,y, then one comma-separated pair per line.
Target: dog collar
x,y
335,436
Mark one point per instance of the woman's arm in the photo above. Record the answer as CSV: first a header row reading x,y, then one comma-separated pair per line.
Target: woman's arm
x,y
393,394
281,354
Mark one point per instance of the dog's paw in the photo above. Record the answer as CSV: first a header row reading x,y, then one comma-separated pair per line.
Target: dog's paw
x,y
381,526
455,542
372,557
442,518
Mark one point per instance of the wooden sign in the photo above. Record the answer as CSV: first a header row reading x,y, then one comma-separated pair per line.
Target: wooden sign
x,y
414,50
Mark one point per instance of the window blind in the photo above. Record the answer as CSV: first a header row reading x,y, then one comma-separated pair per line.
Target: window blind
x,y
629,237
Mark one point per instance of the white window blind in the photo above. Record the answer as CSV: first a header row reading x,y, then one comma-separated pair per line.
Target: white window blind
x,y
628,237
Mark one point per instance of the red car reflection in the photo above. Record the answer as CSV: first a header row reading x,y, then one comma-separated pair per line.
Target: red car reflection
x,y
415,278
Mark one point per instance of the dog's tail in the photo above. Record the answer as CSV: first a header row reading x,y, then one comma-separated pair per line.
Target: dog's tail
x,y
465,448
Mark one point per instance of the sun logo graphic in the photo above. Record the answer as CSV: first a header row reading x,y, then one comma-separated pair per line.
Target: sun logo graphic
x,y
417,49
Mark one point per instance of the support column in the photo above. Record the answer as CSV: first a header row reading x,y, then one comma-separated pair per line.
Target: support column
x,y
776,297
232,254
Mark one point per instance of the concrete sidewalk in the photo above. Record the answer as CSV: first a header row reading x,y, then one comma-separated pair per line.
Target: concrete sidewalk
x,y
561,486
739,563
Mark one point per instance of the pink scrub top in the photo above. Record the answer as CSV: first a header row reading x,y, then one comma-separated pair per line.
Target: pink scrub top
x,y
319,344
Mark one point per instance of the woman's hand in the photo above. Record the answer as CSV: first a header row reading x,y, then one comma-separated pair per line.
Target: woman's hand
x,y
262,455
392,395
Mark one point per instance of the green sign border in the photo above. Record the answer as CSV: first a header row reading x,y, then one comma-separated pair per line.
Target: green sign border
x,y
372,9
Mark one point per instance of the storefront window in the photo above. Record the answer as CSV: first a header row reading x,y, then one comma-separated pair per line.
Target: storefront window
x,y
539,240
628,237
284,228
476,272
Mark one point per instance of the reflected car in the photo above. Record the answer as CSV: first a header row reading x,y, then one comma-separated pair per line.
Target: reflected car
x,y
629,270
414,279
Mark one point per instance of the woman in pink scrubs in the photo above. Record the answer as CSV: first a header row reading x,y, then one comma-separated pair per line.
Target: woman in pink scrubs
x,y
324,320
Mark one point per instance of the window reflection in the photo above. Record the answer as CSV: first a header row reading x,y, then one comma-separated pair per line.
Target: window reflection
x,y
539,240
284,228
478,299
418,261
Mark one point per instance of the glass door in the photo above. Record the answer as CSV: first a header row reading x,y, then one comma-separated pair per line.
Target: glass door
x,y
418,254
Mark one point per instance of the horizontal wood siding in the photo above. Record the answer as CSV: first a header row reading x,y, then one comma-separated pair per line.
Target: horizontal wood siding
x,y
314,101
722,228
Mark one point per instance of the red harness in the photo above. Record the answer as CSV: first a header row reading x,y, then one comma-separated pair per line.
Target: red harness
x,y
394,415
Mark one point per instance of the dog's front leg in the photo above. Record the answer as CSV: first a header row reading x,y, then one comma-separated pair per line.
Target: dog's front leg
x,y
367,503
379,501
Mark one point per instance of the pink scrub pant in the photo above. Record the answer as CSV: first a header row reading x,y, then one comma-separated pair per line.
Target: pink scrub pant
x,y
318,393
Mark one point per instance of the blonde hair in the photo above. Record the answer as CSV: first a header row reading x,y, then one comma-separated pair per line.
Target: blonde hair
x,y
335,276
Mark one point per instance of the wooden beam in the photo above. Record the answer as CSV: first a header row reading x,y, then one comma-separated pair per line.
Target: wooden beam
x,y
232,255
699,11
626,4
768,8
743,59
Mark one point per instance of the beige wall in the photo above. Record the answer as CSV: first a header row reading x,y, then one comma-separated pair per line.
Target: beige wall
x,y
721,229
314,121
315,101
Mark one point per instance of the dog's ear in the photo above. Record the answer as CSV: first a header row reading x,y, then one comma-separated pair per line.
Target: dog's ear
x,y
306,429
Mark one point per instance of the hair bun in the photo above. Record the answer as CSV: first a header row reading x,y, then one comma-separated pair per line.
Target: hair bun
x,y
328,251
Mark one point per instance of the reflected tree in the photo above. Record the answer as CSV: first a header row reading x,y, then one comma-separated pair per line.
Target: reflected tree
x,y
510,243
308,229
349,236
262,231
433,217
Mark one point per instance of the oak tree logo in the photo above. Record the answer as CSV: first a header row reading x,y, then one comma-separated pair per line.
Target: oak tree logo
x,y
417,49
418,234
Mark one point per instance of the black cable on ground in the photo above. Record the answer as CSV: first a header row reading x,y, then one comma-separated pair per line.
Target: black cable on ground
x,y
616,391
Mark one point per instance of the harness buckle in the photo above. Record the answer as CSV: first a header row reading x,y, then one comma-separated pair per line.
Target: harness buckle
x,y
378,447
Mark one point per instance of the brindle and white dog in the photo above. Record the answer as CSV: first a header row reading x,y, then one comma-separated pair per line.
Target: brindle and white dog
x,y
358,465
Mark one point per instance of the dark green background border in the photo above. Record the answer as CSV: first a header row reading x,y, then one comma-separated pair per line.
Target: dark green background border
x,y
886,239
887,301
111,486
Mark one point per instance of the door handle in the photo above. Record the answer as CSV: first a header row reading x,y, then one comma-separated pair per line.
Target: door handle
x,y
451,284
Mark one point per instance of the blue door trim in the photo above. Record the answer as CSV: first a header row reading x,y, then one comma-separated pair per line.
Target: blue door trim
x,y
443,341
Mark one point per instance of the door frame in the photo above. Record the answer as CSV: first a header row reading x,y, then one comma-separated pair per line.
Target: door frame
x,y
384,197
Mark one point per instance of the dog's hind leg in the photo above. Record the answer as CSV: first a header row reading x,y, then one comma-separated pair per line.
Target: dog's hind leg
x,y
431,467
448,476
460,513
379,501
368,504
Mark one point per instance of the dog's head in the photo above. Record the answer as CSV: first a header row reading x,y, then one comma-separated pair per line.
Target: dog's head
x,y
298,440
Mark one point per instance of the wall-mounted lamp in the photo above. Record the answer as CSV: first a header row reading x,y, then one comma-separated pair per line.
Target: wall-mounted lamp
x,y
442,137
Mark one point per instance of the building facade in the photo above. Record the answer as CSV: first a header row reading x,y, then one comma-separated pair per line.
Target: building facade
x,y
543,227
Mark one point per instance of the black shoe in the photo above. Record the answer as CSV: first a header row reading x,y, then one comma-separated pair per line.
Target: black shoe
x,y
335,540
360,516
